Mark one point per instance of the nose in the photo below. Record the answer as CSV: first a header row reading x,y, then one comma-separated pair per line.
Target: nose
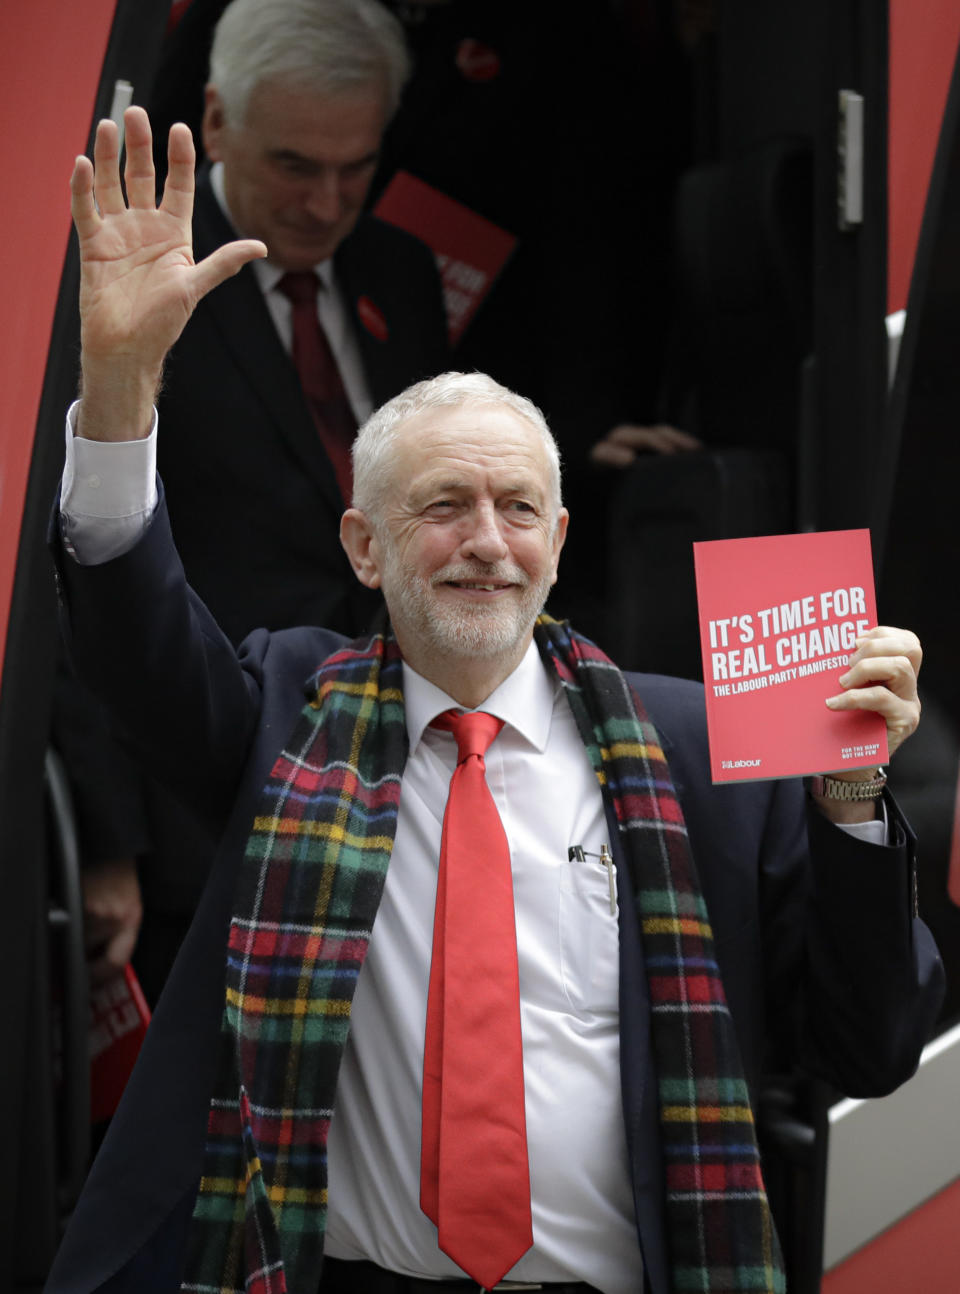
x,y
324,200
484,540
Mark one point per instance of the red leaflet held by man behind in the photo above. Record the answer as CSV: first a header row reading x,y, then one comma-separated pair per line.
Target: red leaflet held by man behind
x,y
119,1016
470,250
779,620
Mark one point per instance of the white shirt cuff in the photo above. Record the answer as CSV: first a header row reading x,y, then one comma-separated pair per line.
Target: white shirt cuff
x,y
874,832
108,493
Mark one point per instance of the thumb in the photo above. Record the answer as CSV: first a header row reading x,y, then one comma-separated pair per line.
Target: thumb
x,y
224,263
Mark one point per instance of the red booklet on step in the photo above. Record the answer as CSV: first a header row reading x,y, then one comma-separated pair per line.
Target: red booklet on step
x,y
470,250
779,619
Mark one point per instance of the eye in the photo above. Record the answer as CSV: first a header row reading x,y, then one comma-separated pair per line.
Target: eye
x,y
522,509
294,166
353,170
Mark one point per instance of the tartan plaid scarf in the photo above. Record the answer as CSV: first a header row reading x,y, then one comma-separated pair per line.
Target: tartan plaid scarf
x,y
307,894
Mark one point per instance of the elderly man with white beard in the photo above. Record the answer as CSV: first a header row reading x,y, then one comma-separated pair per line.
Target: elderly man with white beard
x,y
485,974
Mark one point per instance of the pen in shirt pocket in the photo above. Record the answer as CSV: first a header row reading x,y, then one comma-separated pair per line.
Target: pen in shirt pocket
x,y
577,854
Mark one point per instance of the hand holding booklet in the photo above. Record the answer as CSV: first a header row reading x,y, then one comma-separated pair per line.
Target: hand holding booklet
x,y
780,617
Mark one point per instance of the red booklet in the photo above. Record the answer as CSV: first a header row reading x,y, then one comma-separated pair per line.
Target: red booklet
x,y
119,1016
779,618
470,250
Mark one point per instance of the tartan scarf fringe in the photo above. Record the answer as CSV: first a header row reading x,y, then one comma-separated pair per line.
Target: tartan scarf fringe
x,y
307,894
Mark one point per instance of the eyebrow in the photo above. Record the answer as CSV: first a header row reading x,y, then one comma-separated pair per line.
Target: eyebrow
x,y
287,155
459,485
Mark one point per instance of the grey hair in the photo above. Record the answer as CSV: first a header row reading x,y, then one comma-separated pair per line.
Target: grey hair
x,y
373,447
330,46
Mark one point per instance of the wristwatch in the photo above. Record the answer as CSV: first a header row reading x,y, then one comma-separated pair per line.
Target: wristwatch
x,y
836,788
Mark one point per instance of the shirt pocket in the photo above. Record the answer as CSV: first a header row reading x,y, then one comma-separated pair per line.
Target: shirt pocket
x,y
589,939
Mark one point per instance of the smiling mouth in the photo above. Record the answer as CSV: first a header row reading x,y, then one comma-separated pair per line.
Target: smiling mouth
x,y
480,582
476,587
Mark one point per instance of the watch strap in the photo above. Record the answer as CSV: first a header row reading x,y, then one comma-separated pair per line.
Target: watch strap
x,y
838,788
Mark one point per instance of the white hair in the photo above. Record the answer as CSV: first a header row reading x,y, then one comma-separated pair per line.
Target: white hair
x,y
373,447
331,46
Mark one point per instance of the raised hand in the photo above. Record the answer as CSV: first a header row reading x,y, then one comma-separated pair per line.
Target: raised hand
x,y
138,281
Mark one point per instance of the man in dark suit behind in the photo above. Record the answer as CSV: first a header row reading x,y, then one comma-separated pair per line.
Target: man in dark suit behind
x,y
300,93
298,99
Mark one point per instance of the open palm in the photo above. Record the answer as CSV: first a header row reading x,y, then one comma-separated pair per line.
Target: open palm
x,y
139,284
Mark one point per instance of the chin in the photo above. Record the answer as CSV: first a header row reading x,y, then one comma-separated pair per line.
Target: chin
x,y
295,254
455,627
478,632
297,263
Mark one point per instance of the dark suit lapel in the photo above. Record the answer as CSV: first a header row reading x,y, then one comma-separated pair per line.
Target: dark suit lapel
x,y
372,314
638,1080
239,313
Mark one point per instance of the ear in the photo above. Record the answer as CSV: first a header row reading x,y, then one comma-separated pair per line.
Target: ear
x,y
214,123
360,544
559,538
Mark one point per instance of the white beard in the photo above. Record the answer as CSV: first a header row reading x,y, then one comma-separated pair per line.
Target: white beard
x,y
457,629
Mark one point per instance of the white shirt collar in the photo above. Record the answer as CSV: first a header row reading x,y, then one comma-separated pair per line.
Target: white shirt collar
x,y
268,275
524,700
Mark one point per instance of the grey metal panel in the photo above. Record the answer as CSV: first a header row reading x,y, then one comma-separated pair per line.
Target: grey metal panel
x,y
889,1156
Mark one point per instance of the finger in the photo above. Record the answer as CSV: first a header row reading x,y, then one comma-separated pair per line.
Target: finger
x,y
225,262
894,673
83,209
138,173
662,437
872,695
607,453
897,671
181,160
897,710
685,439
106,170
667,444
883,640
902,715
652,440
631,436
673,439
113,958
120,949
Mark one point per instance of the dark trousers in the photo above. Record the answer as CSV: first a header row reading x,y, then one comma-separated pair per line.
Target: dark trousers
x,y
340,1277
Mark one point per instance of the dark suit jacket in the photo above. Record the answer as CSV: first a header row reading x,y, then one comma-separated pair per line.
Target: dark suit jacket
x,y
821,956
253,498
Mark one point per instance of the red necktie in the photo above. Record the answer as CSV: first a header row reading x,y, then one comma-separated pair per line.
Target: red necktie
x,y
474,1175
320,377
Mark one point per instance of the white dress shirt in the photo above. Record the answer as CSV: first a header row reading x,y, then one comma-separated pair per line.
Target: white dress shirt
x,y
567,942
